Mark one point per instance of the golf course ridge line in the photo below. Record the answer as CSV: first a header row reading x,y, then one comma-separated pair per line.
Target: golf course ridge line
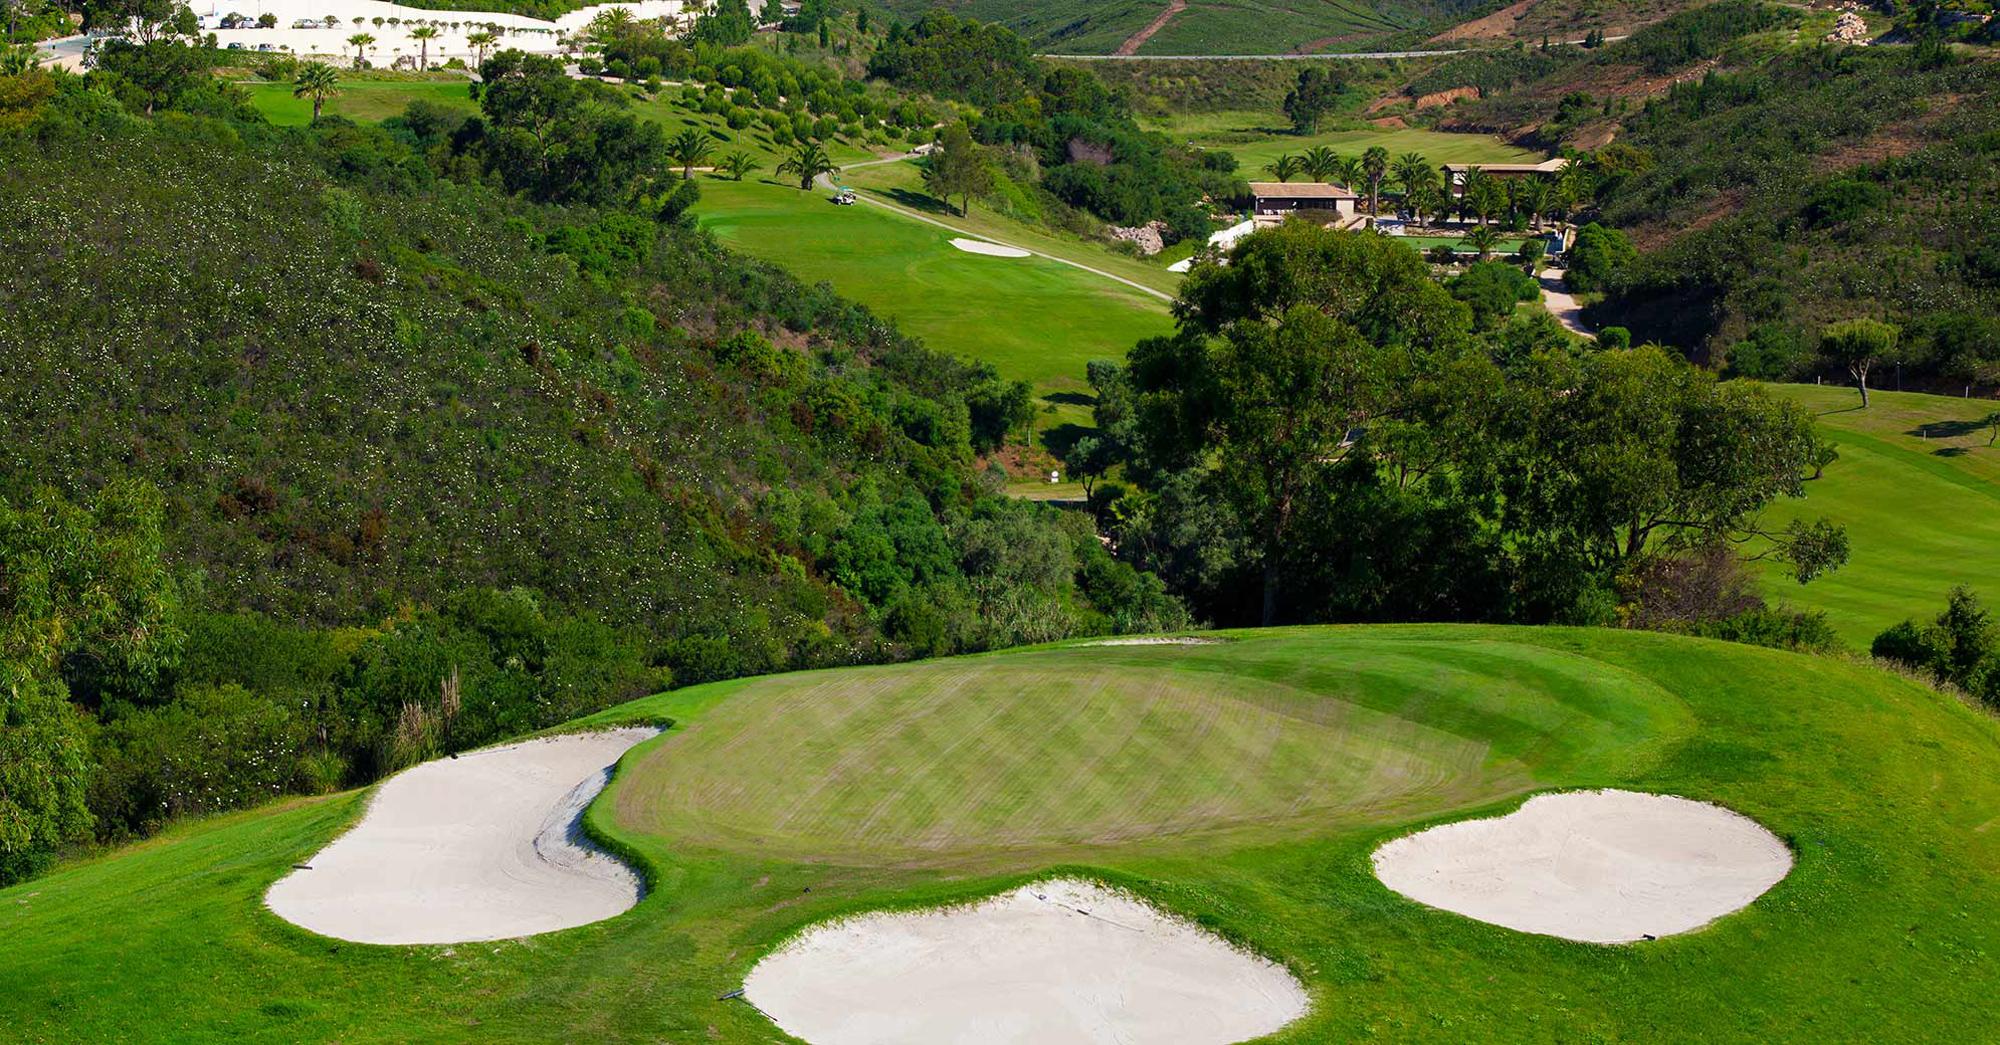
x,y
1595,866
485,845
1056,962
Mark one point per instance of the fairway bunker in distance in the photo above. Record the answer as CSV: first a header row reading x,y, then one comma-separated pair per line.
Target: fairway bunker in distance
x,y
1055,962
991,250
1596,866
484,846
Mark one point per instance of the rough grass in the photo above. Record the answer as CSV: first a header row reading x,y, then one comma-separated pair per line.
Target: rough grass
x,y
1886,927
1919,491
1032,318
1207,27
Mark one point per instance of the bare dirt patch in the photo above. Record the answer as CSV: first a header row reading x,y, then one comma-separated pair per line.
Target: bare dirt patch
x,y
1137,40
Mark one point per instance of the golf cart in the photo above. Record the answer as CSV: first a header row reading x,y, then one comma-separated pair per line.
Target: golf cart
x,y
843,196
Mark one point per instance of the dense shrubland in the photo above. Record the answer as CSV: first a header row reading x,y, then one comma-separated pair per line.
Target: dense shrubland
x,y
411,438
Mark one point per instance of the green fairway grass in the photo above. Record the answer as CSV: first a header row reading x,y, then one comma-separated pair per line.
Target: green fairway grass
x,y
363,101
902,183
1032,318
1257,138
825,794
1919,492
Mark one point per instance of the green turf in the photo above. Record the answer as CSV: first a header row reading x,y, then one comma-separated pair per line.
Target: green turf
x,y
364,101
1919,492
1886,791
1208,27
1257,138
1032,318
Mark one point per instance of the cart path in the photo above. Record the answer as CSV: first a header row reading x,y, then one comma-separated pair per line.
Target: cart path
x,y
1137,40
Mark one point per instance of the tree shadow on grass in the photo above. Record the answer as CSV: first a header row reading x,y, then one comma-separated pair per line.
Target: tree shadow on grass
x,y
917,201
1952,429
1063,437
1070,399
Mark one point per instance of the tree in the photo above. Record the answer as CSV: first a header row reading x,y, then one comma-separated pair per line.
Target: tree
x,y
1320,163
689,148
162,69
544,137
807,161
957,168
1308,336
1596,257
1532,196
1416,176
1315,94
361,42
1481,193
1375,165
423,35
479,42
1348,171
1284,168
87,611
318,81
1857,345
738,165
1482,239
330,21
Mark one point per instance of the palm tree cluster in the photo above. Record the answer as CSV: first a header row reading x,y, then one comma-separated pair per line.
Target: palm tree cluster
x,y
1421,189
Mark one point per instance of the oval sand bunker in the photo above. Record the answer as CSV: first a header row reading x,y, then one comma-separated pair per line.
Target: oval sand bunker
x,y
485,846
991,250
1597,866
1054,962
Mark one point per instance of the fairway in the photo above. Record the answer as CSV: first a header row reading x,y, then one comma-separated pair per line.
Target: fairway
x,y
1306,749
1032,318
1257,138
363,101
1919,492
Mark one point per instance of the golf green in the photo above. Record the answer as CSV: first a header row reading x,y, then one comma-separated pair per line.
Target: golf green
x,y
1242,784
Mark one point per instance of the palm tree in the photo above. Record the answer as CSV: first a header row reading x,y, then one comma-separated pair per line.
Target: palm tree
x,y
1320,163
1416,175
1426,199
361,42
1348,170
1532,196
1482,239
1479,193
808,160
479,42
1375,164
318,81
689,147
423,35
1284,168
738,164
18,59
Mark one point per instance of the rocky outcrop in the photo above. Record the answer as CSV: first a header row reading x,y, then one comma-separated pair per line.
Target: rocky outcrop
x,y
1151,237
1849,28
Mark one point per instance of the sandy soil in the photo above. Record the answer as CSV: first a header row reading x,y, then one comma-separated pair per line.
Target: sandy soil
x,y
484,846
1596,866
1052,963
995,250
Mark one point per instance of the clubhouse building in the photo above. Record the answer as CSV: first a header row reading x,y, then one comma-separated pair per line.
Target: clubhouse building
x,y
1454,173
1274,201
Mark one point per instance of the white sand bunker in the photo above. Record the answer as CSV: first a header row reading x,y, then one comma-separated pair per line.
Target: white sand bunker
x,y
1054,962
1597,866
485,846
1155,640
995,250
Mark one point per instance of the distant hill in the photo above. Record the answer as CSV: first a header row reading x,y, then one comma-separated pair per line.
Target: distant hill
x,y
1212,27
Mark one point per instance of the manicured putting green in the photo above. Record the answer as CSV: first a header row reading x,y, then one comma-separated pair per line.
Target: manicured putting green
x,y
1096,746
1919,492
1884,791
1033,319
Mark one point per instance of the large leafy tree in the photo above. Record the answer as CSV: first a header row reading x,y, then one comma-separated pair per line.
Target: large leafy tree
x,y
88,612
958,168
1857,345
547,136
1316,93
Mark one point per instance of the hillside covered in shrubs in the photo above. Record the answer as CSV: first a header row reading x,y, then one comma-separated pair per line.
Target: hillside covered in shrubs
x,y
330,449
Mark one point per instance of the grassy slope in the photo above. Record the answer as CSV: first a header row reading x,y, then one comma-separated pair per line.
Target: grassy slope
x,y
903,184
1255,140
364,101
1886,791
1922,513
1032,318
1209,27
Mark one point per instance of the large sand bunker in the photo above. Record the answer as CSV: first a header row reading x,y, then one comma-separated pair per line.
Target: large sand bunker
x,y
1597,866
484,846
991,250
1056,962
